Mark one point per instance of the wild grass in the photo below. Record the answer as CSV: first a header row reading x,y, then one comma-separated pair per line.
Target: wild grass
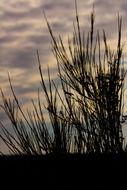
x,y
91,104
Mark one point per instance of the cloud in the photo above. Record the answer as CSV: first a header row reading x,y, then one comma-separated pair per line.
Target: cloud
x,y
23,30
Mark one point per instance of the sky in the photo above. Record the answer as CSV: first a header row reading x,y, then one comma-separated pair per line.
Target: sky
x,y
23,30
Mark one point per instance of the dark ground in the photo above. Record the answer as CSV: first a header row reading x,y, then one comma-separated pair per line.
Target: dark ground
x,y
64,172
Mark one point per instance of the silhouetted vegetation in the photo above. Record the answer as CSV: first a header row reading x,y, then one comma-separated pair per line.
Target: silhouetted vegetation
x,y
85,116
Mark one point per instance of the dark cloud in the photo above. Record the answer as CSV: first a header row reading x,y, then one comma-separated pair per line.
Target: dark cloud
x,y
6,39
20,90
19,59
23,59
19,27
18,11
39,40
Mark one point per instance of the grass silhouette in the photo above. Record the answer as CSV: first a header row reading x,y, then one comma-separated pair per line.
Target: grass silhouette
x,y
88,119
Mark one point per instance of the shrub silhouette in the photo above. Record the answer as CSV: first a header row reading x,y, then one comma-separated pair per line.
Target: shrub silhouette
x,y
86,116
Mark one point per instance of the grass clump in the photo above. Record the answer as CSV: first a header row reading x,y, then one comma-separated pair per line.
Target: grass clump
x,y
91,103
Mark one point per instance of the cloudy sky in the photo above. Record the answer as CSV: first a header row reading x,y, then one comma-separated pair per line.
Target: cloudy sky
x,y
23,30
